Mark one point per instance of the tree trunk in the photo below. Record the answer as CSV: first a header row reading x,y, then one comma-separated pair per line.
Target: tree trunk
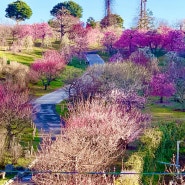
x,y
45,86
161,99
9,139
61,31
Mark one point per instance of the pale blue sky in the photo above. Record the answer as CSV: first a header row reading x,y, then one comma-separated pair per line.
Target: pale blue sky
x,y
171,10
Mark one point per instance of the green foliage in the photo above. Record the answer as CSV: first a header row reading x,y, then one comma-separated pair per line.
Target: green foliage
x,y
172,132
160,145
7,177
135,162
104,55
18,11
62,109
91,22
24,162
37,90
133,165
78,63
70,73
74,9
145,159
151,139
112,20
128,180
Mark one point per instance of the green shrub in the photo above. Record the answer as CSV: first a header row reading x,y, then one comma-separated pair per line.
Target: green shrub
x,y
128,179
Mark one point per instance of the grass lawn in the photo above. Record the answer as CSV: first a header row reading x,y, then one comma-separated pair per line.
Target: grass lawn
x,y
62,109
165,111
37,90
104,55
3,181
24,57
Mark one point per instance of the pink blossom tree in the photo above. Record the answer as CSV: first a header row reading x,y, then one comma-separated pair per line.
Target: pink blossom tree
x,y
163,29
96,134
49,67
22,38
35,31
128,100
108,41
78,36
94,37
63,21
41,31
5,33
139,57
162,86
176,71
24,31
15,113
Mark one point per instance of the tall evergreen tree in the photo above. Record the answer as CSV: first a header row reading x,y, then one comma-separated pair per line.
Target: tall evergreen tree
x,y
18,11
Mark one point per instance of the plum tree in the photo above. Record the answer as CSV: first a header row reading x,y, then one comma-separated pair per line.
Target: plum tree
x,y
49,67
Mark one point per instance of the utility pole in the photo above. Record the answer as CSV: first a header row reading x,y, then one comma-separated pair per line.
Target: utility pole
x,y
108,4
177,158
143,20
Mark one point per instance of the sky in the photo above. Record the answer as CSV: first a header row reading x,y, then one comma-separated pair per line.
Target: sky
x,y
165,10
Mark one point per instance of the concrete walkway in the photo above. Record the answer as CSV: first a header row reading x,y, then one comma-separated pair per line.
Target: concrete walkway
x,y
53,98
93,59
45,116
47,119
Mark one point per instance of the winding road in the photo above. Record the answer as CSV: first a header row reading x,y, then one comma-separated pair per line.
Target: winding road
x,y
45,116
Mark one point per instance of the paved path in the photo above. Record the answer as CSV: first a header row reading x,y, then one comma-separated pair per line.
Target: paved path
x,y
45,116
94,59
52,98
47,119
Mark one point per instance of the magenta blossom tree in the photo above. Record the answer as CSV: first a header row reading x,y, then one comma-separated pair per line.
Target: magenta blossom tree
x,y
154,40
130,40
174,40
118,57
162,86
127,40
139,57
49,67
